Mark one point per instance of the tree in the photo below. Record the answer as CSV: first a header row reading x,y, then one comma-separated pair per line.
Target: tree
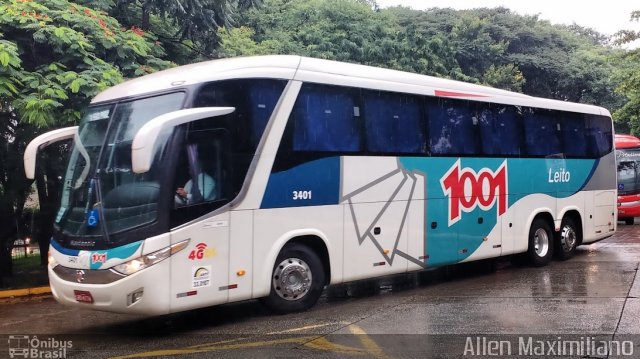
x,y
188,29
54,57
627,117
488,46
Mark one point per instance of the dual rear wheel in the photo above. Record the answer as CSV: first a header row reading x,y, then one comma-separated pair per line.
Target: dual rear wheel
x,y
543,244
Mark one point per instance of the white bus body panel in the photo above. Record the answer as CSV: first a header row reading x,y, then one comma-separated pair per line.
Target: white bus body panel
x,y
200,273
273,228
378,193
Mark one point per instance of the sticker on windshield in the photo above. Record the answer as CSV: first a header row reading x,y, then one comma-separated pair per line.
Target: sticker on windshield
x,y
93,218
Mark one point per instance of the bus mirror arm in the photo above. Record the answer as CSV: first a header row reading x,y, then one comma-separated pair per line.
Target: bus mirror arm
x,y
42,141
142,147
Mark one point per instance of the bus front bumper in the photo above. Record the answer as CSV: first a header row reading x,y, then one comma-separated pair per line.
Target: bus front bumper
x,y
145,292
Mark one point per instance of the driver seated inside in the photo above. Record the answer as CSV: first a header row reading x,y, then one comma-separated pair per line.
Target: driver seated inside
x,y
206,187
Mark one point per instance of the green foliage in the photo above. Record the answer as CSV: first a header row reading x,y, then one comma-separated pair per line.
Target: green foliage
x,y
188,29
488,46
61,54
54,57
627,117
345,30
239,42
9,68
507,77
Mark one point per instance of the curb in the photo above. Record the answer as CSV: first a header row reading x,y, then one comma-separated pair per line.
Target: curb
x,y
24,292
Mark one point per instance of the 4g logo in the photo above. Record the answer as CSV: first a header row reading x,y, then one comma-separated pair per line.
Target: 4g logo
x,y
467,189
201,252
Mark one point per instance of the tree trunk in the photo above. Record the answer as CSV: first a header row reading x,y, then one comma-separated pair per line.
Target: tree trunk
x,y
49,187
145,23
7,236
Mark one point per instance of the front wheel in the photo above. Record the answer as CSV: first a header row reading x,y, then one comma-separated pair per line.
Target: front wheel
x,y
629,221
568,240
297,280
540,243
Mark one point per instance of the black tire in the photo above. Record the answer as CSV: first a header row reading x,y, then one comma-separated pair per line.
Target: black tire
x,y
567,240
630,221
302,269
540,249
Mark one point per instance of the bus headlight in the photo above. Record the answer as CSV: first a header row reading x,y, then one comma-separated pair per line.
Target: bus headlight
x,y
51,260
147,260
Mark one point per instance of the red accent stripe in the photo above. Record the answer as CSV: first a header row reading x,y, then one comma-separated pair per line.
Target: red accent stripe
x,y
442,93
227,287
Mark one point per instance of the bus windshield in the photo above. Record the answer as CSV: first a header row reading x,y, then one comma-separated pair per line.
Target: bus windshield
x,y
628,161
101,194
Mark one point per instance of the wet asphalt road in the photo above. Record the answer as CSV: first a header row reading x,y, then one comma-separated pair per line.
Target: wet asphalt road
x,y
449,312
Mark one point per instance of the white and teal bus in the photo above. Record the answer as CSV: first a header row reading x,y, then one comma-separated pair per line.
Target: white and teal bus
x,y
270,177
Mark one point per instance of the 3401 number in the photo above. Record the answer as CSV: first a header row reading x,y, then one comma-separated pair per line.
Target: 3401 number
x,y
301,195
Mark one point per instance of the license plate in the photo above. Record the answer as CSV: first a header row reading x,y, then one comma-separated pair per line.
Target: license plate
x,y
83,296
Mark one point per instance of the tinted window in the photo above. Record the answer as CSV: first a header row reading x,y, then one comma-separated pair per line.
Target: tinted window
x,y
215,153
263,95
325,119
573,129
332,120
453,128
599,135
393,123
541,133
254,101
500,129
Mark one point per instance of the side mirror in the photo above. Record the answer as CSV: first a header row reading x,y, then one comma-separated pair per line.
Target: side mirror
x,y
42,141
145,140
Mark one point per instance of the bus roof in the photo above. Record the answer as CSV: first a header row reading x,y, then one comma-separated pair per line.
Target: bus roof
x,y
290,67
626,141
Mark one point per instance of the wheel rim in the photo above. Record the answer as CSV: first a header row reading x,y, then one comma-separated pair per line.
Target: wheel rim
x,y
568,238
541,242
292,279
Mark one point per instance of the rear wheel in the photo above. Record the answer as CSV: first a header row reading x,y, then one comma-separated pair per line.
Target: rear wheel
x,y
567,240
297,280
629,221
540,243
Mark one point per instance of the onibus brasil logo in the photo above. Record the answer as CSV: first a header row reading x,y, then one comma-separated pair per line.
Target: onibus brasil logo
x,y
25,346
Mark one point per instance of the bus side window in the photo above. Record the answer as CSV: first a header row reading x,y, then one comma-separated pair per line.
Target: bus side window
x,y
254,101
599,134
500,129
541,133
393,123
263,96
574,135
325,120
453,130
202,168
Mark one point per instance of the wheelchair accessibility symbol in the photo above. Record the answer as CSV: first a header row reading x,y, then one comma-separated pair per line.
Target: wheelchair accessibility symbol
x,y
93,218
